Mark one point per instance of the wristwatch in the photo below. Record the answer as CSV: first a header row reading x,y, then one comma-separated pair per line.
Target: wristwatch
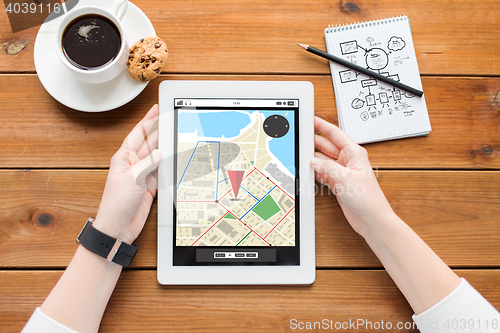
x,y
112,249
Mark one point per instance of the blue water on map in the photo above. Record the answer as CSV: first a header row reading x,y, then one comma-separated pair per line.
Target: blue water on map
x,y
284,148
229,124
213,124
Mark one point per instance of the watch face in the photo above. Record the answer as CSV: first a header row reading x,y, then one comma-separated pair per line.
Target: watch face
x,y
90,220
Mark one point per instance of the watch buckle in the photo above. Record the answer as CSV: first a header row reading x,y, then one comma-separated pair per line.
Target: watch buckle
x,y
114,250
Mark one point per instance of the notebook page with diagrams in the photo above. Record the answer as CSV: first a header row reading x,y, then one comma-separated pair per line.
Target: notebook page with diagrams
x,y
369,110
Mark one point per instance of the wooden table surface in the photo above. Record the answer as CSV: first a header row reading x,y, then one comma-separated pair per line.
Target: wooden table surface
x,y
54,160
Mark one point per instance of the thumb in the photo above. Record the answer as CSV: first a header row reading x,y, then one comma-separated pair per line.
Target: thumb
x,y
145,166
328,168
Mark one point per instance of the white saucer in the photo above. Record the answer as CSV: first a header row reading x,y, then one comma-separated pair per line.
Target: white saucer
x,y
76,94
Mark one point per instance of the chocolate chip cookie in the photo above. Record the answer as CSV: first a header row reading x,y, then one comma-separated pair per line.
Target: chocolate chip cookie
x,y
147,58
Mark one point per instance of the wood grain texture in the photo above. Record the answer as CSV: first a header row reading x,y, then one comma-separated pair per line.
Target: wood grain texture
x,y
38,132
455,212
140,304
235,36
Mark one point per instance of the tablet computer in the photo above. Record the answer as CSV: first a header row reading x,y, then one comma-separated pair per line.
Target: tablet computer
x,y
236,190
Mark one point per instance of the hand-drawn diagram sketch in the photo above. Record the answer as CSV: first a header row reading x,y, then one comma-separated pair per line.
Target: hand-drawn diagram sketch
x,y
376,99
370,110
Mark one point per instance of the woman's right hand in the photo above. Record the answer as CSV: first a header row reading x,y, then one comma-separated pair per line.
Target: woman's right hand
x,y
343,165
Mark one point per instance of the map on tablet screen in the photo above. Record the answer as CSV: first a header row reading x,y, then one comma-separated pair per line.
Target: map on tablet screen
x,y
235,172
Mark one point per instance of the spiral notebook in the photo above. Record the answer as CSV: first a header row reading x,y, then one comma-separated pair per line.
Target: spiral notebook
x,y
369,110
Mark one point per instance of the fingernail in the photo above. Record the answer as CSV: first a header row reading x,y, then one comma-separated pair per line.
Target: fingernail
x,y
315,161
157,154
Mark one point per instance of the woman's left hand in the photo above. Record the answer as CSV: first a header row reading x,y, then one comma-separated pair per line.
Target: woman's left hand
x,y
131,184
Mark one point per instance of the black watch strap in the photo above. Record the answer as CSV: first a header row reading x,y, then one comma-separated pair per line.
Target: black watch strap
x,y
106,246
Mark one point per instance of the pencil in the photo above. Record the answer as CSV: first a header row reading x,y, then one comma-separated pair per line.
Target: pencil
x,y
363,70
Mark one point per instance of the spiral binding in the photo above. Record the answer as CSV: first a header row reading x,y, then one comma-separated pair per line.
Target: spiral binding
x,y
364,24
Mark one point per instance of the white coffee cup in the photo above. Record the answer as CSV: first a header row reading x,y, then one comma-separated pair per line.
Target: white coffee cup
x,y
102,74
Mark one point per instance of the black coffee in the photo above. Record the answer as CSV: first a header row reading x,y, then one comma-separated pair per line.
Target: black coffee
x,y
91,41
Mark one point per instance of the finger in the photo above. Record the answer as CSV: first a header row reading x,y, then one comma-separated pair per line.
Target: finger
x,y
326,146
339,138
328,168
150,143
322,156
155,174
145,166
320,178
136,137
152,184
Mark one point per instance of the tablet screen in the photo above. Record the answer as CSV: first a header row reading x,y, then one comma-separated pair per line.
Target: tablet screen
x,y
236,180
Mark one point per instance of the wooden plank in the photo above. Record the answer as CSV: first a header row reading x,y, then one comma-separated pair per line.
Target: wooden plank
x,y
234,36
39,132
140,304
456,212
